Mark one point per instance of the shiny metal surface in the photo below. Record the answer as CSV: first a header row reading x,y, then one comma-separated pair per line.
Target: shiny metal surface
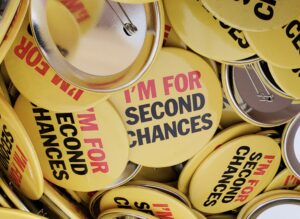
x,y
113,54
254,101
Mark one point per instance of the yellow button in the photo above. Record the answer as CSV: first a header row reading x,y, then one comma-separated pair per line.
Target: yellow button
x,y
205,34
41,84
77,151
279,47
147,200
175,105
259,15
219,139
13,213
234,174
19,160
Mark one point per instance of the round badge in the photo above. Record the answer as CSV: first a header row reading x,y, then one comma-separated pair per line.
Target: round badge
x,y
175,105
283,180
163,188
287,80
253,100
77,151
290,146
279,47
171,39
254,15
8,11
124,213
276,204
147,200
19,160
12,213
219,139
129,33
14,28
204,34
41,84
234,174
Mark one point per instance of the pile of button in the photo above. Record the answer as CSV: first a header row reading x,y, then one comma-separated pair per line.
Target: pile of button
x,y
149,109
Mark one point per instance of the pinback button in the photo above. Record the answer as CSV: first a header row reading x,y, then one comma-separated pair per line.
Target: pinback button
x,y
41,84
13,28
12,213
254,15
204,34
77,151
147,200
19,160
286,80
253,101
219,139
8,10
283,180
290,146
129,33
171,39
234,174
176,104
163,188
124,213
279,47
276,204
86,12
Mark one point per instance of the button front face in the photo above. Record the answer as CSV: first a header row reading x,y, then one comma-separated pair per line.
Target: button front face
x,y
77,151
279,47
146,200
257,15
234,174
204,34
18,159
175,105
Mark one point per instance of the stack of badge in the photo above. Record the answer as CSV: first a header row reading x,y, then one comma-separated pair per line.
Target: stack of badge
x,y
149,109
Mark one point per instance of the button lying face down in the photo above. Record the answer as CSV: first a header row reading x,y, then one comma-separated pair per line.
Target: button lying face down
x,y
254,15
147,200
274,204
253,101
175,105
41,84
13,28
222,216
219,139
164,175
279,47
77,151
234,174
124,213
12,213
3,89
283,180
205,34
19,161
129,33
290,146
